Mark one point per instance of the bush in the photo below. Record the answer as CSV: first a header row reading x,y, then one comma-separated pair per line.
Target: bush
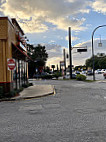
x,y
1,92
15,92
12,93
81,77
46,76
27,85
20,89
30,84
57,75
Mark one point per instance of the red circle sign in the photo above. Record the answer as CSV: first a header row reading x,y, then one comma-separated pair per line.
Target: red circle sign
x,y
11,64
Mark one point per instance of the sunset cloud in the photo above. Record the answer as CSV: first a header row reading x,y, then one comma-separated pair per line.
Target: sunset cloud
x,y
80,58
73,38
37,15
99,6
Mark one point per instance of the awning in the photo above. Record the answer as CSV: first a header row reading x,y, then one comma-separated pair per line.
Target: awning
x,y
21,52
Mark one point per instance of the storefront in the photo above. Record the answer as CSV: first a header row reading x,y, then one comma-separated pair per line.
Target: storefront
x,y
12,46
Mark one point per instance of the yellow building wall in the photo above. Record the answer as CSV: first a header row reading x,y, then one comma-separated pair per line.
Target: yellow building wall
x,y
3,28
7,37
11,39
3,62
3,46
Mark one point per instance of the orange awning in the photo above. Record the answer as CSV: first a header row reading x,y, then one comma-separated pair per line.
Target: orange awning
x,y
22,52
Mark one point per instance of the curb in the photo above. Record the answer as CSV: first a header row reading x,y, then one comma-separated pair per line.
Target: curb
x,y
29,97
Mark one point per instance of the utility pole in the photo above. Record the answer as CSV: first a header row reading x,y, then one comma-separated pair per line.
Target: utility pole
x,y
57,67
70,54
64,54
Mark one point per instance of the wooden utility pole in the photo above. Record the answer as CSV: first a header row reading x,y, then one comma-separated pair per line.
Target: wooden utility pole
x,y
64,54
70,54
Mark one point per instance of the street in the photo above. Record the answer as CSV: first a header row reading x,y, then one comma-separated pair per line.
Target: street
x,y
97,77
75,113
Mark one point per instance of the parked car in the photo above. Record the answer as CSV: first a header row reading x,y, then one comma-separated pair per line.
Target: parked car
x,y
37,76
73,76
84,72
77,72
98,71
89,72
104,74
103,70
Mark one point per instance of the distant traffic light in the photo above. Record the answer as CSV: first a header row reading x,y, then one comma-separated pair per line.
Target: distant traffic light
x,y
82,50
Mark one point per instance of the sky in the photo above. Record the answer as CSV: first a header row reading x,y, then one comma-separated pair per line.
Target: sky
x,y
46,22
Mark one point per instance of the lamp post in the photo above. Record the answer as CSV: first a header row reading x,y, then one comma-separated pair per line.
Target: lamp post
x,y
70,54
93,60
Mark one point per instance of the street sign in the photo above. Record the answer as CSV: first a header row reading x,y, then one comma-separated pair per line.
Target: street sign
x,y
82,50
11,64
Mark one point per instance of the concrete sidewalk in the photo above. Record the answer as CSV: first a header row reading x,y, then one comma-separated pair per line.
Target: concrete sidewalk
x,y
35,91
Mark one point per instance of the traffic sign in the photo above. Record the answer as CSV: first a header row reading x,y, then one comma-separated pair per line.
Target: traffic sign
x,y
82,50
11,64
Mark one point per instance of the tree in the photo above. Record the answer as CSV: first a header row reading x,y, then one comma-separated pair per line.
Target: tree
x,y
80,68
47,69
39,57
100,61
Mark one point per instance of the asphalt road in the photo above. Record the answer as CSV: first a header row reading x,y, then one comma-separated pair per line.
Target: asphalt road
x,y
76,113
97,77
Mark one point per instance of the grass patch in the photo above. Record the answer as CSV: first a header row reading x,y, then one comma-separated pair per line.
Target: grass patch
x,y
89,81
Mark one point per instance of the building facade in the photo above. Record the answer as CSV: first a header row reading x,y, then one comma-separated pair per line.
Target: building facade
x,y
12,46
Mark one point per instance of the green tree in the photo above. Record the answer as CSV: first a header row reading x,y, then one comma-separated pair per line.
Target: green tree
x,y
80,67
102,63
99,59
39,57
47,69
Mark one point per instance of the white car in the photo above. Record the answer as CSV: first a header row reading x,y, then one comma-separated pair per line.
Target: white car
x,y
98,71
84,72
103,70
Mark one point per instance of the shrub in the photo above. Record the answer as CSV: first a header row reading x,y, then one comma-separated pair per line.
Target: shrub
x,y
20,89
81,77
57,75
12,93
30,84
1,92
27,85
46,76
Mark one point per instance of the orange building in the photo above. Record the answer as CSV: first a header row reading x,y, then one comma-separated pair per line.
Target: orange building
x,y
12,46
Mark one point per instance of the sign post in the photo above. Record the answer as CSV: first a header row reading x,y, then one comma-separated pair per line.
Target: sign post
x,y
11,65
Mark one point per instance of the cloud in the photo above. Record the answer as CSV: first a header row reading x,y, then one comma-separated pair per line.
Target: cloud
x,y
52,41
37,15
55,53
73,38
80,58
99,6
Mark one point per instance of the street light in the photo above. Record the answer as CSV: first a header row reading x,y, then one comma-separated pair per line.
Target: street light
x,y
93,50
100,43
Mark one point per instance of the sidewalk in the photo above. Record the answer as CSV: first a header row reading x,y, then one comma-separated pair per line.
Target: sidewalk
x,y
35,91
